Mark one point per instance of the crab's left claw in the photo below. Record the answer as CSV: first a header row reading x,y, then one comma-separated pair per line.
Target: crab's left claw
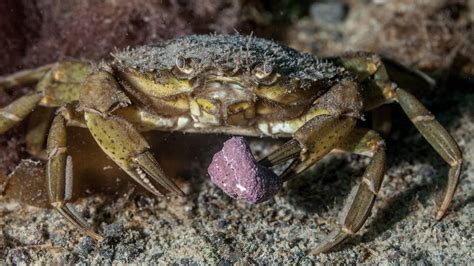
x,y
118,138
129,150
148,163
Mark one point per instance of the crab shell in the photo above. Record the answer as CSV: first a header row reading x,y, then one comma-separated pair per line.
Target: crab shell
x,y
230,84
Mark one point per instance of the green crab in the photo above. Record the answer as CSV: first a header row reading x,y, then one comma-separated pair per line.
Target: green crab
x,y
219,84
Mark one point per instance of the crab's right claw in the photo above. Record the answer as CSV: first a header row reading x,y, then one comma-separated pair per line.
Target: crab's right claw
x,y
310,144
129,150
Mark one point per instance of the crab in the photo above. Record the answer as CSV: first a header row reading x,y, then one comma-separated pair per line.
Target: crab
x,y
231,84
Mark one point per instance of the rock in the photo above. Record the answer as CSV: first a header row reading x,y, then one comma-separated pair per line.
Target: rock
x,y
235,171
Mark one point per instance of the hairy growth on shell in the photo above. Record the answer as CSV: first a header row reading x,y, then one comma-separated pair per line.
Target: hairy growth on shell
x,y
230,53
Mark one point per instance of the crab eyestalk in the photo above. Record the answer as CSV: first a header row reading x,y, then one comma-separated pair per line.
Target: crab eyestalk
x,y
235,171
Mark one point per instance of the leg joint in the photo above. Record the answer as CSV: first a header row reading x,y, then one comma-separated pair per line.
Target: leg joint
x,y
376,144
56,151
423,118
456,162
57,204
347,230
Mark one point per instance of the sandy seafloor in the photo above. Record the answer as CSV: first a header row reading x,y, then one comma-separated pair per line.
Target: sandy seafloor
x,y
208,227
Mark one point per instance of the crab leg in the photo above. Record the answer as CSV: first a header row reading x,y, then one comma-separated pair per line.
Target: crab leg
x,y
16,111
381,90
58,85
364,142
439,139
59,177
24,77
289,150
336,132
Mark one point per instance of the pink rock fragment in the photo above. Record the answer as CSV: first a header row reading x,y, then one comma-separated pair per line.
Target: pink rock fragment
x,y
235,171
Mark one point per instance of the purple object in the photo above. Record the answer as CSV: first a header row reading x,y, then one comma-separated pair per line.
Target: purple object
x,y
235,171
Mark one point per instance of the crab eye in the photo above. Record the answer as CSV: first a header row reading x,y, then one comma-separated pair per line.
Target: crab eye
x,y
263,70
267,68
184,65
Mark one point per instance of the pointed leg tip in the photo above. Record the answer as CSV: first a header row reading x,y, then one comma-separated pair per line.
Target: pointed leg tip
x,y
181,193
68,211
172,187
316,251
92,234
174,192
322,248
96,236
440,214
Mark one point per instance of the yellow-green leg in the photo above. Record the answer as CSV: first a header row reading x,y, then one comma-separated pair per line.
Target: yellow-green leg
x,y
59,174
317,138
24,78
16,111
440,140
58,85
379,89
368,143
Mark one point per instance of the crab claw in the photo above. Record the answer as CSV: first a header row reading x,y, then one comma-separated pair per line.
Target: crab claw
x,y
129,150
148,163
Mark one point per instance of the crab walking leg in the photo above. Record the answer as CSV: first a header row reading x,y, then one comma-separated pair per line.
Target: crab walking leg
x,y
58,84
319,136
381,90
16,111
59,177
438,138
364,142
24,77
